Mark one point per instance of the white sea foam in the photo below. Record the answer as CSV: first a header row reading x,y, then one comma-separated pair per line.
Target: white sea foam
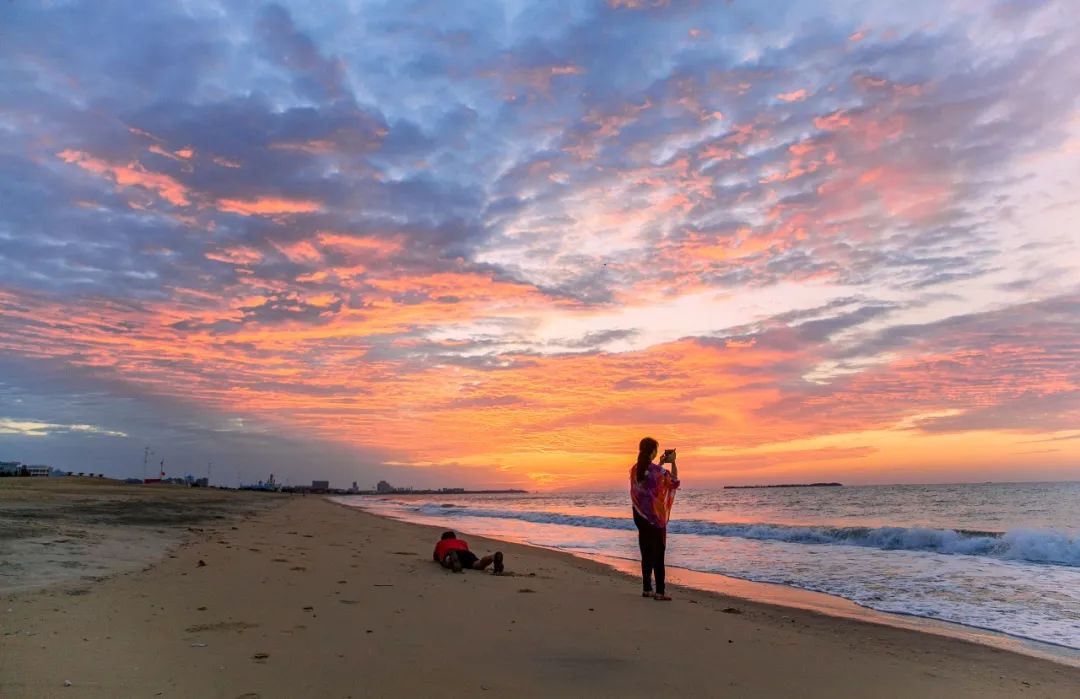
x,y
1032,546
1002,557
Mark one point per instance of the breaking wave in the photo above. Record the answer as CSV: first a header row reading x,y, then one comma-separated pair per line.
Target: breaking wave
x,y
1031,546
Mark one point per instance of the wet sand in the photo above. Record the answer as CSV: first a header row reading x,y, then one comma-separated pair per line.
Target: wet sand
x,y
313,599
57,531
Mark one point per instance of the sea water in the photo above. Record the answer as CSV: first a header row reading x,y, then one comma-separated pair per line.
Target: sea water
x,y
998,556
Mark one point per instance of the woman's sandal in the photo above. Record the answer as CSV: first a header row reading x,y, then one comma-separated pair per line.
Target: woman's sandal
x,y
661,598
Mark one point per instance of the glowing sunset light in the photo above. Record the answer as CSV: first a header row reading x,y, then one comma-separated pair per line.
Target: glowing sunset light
x,y
498,247
267,205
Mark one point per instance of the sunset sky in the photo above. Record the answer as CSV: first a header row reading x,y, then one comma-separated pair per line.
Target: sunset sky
x,y
495,244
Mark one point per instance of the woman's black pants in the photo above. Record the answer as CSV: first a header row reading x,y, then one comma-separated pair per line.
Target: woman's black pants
x,y
652,541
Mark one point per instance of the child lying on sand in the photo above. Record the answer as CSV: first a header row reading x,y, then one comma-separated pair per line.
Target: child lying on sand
x,y
453,553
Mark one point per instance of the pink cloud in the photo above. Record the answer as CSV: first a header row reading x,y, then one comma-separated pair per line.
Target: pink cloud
x,y
793,96
132,174
266,206
239,255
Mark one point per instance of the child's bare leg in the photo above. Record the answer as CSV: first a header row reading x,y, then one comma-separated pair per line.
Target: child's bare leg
x,y
483,563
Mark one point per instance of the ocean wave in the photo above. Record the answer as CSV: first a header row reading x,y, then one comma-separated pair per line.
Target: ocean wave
x,y
1031,546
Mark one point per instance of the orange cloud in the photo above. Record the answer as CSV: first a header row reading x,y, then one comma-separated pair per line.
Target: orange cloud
x,y
363,244
268,206
132,174
833,121
302,251
729,405
793,96
239,255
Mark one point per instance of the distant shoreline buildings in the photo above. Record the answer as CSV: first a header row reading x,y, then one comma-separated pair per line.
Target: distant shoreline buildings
x,y
15,468
318,486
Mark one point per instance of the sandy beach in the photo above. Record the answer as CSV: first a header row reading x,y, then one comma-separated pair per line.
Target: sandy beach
x,y
251,595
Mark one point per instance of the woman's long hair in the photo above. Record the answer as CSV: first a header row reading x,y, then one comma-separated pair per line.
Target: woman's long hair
x,y
646,448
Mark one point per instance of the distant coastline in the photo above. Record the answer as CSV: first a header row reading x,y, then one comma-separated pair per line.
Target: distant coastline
x,y
397,491
786,485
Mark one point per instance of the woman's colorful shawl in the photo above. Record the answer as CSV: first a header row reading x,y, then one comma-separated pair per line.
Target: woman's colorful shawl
x,y
654,495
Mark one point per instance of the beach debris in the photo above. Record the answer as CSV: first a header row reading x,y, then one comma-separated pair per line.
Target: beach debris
x,y
260,656
201,564
591,609
526,589
308,609
382,585
280,560
403,553
201,609
198,645
67,683
342,582
370,631
301,568
731,610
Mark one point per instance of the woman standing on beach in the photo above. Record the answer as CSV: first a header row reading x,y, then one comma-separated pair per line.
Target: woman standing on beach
x,y
652,493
